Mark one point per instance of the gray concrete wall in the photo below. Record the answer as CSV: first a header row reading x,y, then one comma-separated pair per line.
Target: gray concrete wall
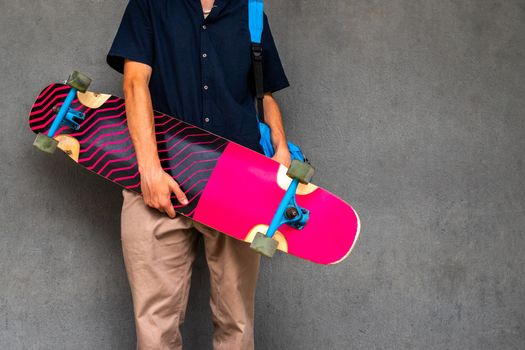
x,y
411,110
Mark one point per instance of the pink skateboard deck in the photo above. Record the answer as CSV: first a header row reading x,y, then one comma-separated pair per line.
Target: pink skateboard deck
x,y
230,188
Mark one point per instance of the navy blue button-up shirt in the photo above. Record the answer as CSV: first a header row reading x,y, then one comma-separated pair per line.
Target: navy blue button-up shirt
x,y
201,68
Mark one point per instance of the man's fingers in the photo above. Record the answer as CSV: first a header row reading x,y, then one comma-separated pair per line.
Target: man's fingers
x,y
181,197
160,205
157,196
168,209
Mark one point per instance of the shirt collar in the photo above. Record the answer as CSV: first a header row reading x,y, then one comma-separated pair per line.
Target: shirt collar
x,y
217,8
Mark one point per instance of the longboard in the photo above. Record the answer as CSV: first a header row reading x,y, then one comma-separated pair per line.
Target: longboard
x,y
230,188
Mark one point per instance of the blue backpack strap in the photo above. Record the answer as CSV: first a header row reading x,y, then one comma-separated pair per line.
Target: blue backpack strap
x,y
256,24
255,19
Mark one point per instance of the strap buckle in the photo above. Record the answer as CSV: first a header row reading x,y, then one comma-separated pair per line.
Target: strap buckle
x,y
257,52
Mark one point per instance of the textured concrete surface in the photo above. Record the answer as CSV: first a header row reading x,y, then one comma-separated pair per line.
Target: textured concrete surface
x,y
412,110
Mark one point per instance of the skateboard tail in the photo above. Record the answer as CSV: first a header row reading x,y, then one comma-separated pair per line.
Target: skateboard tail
x,y
357,233
329,234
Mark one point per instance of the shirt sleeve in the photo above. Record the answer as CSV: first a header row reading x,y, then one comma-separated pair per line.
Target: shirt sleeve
x,y
273,72
134,39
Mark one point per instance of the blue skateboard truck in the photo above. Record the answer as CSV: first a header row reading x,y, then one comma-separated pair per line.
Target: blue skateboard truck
x,y
288,212
65,114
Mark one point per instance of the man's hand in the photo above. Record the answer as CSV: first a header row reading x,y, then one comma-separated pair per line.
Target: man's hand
x,y
282,155
157,187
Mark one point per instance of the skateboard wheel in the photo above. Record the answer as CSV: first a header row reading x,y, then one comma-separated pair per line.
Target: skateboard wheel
x,y
301,171
45,143
264,245
79,81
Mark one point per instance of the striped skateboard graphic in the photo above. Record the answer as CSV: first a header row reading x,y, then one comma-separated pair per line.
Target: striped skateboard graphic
x,y
229,187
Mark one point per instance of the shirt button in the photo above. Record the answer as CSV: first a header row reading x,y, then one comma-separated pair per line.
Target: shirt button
x,y
205,87
207,120
204,55
204,26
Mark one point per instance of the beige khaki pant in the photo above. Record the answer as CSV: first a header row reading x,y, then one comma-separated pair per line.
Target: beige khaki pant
x,y
159,253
